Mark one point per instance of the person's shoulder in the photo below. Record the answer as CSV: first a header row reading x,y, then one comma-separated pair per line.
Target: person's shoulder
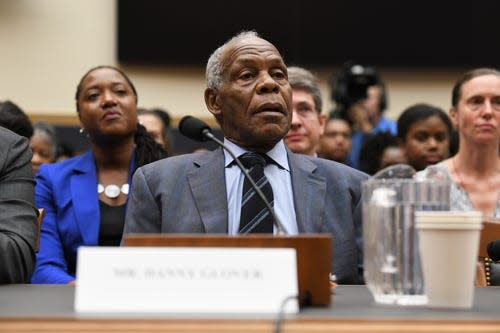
x,y
328,167
9,138
339,167
14,149
75,160
7,134
433,171
386,121
65,166
386,125
184,161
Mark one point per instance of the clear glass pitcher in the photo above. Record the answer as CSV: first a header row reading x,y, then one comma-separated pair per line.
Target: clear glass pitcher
x,y
392,267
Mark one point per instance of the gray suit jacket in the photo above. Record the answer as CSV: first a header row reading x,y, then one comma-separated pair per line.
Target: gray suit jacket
x,y
18,227
187,194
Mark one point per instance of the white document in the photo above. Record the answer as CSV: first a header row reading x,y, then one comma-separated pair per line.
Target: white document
x,y
185,280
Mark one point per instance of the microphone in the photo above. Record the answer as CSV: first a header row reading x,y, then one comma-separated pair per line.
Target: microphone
x,y
198,130
493,250
195,129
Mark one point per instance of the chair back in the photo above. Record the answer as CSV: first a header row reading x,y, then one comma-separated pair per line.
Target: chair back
x,y
490,233
39,220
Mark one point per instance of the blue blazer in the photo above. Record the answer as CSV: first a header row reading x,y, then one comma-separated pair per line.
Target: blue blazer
x,y
68,192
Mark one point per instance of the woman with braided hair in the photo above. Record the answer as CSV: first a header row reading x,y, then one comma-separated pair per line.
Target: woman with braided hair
x,y
85,197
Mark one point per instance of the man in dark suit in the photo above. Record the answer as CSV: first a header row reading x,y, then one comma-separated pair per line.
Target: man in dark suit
x,y
18,228
249,95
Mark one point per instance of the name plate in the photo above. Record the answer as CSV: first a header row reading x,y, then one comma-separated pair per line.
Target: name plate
x,y
185,280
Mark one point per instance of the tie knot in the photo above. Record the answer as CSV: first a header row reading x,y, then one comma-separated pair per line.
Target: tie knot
x,y
251,159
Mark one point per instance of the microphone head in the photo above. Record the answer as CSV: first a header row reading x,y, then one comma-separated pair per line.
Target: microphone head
x,y
493,249
194,128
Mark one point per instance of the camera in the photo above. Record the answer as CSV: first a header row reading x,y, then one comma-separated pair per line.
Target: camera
x,y
350,85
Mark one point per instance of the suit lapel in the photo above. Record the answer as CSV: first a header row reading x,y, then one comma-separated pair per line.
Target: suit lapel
x,y
85,202
309,192
208,185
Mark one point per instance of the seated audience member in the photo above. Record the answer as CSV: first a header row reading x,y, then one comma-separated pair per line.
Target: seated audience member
x,y
375,104
380,151
43,145
335,143
13,117
249,95
157,125
18,228
475,170
308,122
424,133
169,138
85,197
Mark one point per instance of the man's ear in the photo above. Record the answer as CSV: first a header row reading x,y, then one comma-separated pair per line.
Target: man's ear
x,y
402,146
322,122
212,101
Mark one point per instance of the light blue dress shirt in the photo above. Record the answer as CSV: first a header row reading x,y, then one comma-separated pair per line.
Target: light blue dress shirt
x,y
278,176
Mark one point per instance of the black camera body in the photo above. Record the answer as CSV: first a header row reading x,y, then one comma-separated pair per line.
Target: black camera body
x,y
351,83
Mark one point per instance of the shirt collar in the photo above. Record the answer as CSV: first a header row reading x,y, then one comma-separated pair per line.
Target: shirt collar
x,y
277,153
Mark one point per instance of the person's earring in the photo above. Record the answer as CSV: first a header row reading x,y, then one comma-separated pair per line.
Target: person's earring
x,y
83,132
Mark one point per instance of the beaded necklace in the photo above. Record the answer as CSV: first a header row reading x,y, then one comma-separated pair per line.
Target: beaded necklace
x,y
112,191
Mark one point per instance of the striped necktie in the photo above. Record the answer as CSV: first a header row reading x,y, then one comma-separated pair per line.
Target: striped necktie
x,y
255,217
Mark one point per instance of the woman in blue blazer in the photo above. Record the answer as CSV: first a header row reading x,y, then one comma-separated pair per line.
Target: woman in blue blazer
x,y
85,197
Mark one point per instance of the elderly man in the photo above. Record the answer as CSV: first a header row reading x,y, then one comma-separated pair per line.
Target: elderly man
x,y
249,95
308,122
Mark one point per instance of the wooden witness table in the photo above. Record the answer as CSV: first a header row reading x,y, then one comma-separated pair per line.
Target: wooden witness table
x,y
49,308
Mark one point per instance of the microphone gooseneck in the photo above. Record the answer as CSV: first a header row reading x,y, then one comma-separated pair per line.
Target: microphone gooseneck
x,y
198,130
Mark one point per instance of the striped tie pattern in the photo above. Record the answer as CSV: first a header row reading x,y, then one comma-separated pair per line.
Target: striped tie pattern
x,y
255,217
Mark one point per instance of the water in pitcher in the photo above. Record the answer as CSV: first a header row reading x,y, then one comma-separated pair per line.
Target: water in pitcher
x,y
392,267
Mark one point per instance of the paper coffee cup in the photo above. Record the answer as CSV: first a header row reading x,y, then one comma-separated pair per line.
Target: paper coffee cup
x,y
448,244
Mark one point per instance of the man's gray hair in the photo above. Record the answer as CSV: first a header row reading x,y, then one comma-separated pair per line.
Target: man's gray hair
x,y
213,74
301,78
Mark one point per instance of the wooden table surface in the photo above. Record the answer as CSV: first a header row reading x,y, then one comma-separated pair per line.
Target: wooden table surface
x,y
49,308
